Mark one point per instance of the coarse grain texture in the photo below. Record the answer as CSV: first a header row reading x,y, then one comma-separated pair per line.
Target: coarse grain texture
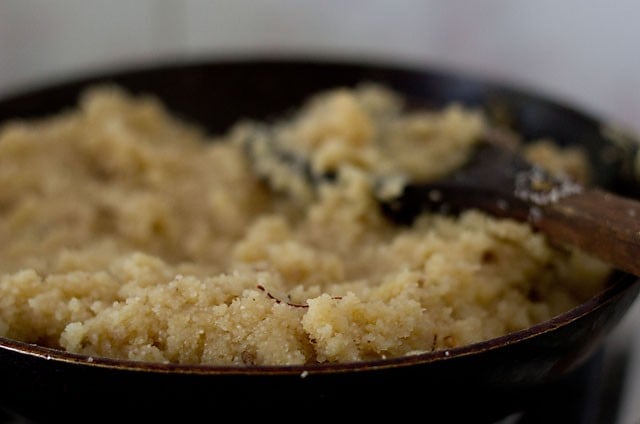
x,y
126,233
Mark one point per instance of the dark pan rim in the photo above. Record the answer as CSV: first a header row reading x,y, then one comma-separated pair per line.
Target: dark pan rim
x,y
282,57
617,287
297,58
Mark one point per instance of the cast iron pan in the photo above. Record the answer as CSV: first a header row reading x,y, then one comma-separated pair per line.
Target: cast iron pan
x,y
478,383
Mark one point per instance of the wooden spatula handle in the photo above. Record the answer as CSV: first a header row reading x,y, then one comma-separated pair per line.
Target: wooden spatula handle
x,y
598,222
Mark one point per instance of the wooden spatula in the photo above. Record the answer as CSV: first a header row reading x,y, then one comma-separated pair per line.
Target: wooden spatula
x,y
497,180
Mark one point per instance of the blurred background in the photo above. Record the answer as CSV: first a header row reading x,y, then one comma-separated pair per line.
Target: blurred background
x,y
584,53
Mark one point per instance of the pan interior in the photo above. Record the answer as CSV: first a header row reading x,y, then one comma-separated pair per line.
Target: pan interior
x,y
257,92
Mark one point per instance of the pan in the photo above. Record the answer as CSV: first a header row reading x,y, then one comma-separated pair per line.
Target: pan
x,y
483,382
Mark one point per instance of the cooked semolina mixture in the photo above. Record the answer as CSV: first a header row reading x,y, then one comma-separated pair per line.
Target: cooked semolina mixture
x,y
126,233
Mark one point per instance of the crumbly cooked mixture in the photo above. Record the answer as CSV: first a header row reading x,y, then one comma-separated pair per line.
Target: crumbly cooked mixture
x,y
126,233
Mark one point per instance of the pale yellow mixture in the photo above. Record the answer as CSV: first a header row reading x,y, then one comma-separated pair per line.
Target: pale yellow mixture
x,y
125,233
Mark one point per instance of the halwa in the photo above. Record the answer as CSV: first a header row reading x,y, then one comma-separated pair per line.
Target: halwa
x,y
128,233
